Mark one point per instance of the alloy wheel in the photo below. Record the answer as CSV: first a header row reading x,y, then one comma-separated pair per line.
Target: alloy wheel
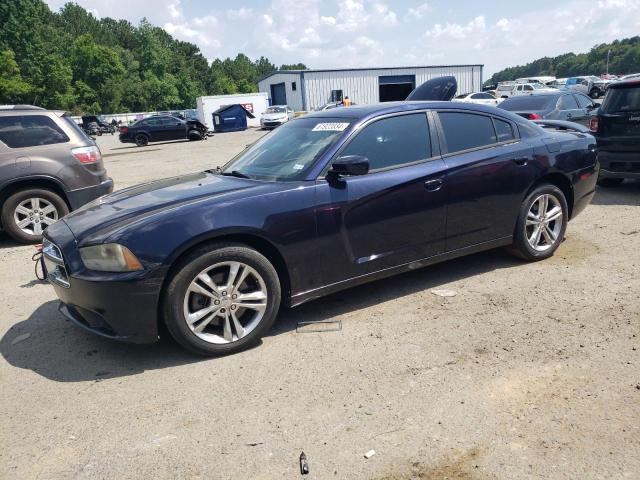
x,y
35,214
544,222
225,302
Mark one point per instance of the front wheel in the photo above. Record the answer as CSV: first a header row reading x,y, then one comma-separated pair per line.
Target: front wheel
x,y
222,299
541,224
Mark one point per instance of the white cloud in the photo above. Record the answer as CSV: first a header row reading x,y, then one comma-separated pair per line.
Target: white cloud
x,y
174,9
418,12
239,13
457,31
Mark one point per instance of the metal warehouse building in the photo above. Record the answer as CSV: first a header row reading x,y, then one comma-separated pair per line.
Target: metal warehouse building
x,y
309,89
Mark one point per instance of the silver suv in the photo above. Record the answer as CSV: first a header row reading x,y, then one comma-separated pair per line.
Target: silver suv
x,y
48,166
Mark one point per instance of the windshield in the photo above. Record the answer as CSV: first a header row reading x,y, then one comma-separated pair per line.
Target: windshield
x,y
288,152
538,86
276,110
533,102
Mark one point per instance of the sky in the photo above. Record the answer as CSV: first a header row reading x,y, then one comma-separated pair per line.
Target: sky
x,y
379,33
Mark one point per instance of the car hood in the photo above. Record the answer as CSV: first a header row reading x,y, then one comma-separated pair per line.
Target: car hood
x,y
439,88
111,212
274,116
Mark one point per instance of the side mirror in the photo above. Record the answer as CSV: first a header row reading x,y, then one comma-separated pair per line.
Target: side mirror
x,y
591,107
349,165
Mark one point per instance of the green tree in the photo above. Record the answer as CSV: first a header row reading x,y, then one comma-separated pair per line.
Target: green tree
x,y
13,89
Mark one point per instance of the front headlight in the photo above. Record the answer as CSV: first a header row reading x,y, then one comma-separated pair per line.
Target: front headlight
x,y
109,257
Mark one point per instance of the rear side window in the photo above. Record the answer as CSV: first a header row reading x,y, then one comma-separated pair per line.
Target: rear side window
x,y
69,121
393,141
622,100
583,101
567,102
504,130
463,131
22,131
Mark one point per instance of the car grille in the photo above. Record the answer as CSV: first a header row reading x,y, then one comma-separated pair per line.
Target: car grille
x,y
54,264
272,124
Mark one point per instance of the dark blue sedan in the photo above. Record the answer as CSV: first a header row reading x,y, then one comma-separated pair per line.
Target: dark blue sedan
x,y
327,201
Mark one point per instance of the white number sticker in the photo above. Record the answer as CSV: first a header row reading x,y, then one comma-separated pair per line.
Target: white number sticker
x,y
330,127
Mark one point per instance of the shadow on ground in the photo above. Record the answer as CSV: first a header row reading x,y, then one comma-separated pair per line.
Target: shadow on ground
x,y
60,351
626,194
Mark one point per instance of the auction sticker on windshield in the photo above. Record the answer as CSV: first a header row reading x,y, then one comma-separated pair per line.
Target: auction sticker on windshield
x,y
330,127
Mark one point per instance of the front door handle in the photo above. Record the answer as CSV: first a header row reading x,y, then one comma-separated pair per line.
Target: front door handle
x,y
433,185
522,161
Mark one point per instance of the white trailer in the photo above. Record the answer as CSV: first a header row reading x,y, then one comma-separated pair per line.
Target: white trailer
x,y
255,103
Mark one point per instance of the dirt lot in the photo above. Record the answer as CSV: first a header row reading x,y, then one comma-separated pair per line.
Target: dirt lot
x,y
530,371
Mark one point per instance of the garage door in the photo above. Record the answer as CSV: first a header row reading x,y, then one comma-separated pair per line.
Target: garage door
x,y
278,94
395,87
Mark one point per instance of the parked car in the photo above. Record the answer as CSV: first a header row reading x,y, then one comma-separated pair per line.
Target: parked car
x,y
327,201
554,105
48,166
591,85
557,83
328,106
91,128
617,129
529,88
481,98
503,90
160,128
631,76
275,116
102,125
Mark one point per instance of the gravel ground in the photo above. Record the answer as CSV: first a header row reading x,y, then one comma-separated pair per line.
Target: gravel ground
x,y
530,371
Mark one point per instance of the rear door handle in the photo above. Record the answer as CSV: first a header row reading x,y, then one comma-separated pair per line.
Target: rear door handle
x,y
433,185
522,161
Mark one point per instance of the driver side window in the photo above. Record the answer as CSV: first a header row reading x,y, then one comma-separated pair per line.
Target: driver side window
x,y
392,142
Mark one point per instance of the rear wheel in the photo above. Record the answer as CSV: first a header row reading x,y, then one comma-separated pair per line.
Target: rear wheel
x,y
194,135
142,140
222,299
541,224
610,182
26,213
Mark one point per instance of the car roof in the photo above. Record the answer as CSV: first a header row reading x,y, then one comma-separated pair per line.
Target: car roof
x,y
629,82
361,112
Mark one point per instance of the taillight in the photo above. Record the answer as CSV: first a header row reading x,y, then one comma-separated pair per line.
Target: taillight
x,y
86,154
124,129
534,116
594,123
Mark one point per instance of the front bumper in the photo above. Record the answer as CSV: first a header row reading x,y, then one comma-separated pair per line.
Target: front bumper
x,y
271,123
117,306
81,196
619,165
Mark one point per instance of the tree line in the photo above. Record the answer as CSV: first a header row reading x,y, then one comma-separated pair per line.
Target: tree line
x,y
71,60
624,58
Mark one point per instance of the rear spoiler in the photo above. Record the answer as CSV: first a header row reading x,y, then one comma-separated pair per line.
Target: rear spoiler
x,y
562,125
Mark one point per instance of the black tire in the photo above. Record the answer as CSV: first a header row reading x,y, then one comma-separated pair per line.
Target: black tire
x,y
189,268
142,140
194,135
595,93
521,246
12,203
610,182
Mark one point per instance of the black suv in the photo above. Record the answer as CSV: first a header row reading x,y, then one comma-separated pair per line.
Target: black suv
x,y
48,166
159,128
617,130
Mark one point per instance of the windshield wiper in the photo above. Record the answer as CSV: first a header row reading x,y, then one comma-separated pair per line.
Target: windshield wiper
x,y
235,173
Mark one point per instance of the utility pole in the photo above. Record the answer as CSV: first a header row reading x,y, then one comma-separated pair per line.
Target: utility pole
x,y
608,52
